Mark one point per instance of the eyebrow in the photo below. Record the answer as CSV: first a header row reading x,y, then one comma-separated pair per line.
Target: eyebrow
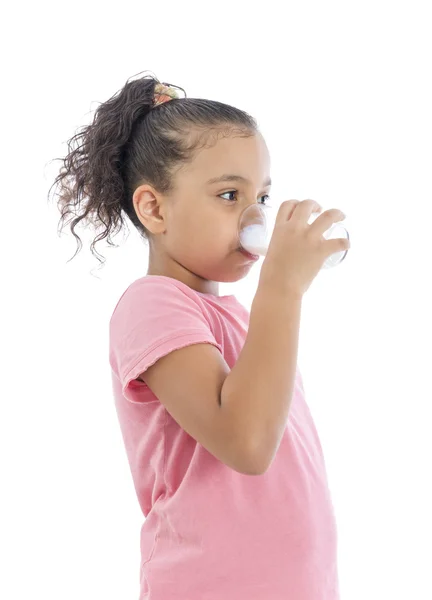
x,y
223,178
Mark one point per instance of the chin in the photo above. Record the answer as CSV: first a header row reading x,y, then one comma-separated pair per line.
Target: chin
x,y
234,275
224,271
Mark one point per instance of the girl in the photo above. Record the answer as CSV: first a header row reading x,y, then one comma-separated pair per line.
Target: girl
x,y
225,458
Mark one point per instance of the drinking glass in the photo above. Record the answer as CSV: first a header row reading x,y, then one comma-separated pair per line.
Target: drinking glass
x,y
256,226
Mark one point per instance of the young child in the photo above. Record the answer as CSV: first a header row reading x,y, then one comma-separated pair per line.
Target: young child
x,y
225,458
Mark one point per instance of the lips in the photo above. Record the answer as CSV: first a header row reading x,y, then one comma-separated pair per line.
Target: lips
x,y
253,257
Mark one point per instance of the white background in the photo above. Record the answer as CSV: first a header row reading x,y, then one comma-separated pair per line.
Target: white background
x,y
342,93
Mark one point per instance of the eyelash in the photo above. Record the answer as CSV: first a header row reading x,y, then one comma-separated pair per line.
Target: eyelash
x,y
236,192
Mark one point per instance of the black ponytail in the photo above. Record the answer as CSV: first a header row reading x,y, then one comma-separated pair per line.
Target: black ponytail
x,y
132,141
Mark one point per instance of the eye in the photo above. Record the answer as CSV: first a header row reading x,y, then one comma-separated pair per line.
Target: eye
x,y
265,196
232,192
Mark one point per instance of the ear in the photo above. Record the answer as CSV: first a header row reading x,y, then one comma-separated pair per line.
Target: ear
x,y
148,205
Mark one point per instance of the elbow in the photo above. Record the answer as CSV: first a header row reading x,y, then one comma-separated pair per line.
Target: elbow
x,y
246,464
258,463
254,471
248,470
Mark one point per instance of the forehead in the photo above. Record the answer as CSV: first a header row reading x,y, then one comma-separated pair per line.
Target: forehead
x,y
231,154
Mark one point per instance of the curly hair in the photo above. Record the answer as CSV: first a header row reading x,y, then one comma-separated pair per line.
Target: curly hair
x,y
131,141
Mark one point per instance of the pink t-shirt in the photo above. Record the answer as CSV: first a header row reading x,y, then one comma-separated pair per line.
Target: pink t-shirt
x,y
211,533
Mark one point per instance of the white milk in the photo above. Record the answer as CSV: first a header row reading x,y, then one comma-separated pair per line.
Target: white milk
x,y
253,239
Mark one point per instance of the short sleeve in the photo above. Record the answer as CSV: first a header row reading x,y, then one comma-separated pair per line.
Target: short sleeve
x,y
153,318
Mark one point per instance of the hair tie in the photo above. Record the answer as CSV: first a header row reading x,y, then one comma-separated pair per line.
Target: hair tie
x,y
164,93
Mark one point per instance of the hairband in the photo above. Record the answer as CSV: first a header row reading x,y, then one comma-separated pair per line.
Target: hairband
x,y
164,93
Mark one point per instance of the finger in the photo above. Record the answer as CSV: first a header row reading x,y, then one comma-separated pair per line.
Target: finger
x,y
326,220
337,245
304,209
286,209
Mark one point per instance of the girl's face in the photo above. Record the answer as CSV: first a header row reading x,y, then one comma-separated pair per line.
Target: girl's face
x,y
195,239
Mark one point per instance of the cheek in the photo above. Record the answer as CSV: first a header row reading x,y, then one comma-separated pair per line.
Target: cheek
x,y
217,236
207,232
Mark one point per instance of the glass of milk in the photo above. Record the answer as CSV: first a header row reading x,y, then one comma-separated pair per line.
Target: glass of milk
x,y
256,226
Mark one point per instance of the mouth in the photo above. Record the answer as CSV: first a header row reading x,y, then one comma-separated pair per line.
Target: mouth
x,y
253,257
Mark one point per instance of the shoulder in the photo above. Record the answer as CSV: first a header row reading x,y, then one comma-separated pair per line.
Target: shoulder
x,y
155,289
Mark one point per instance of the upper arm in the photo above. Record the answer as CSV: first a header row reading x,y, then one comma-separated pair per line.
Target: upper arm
x,y
188,382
